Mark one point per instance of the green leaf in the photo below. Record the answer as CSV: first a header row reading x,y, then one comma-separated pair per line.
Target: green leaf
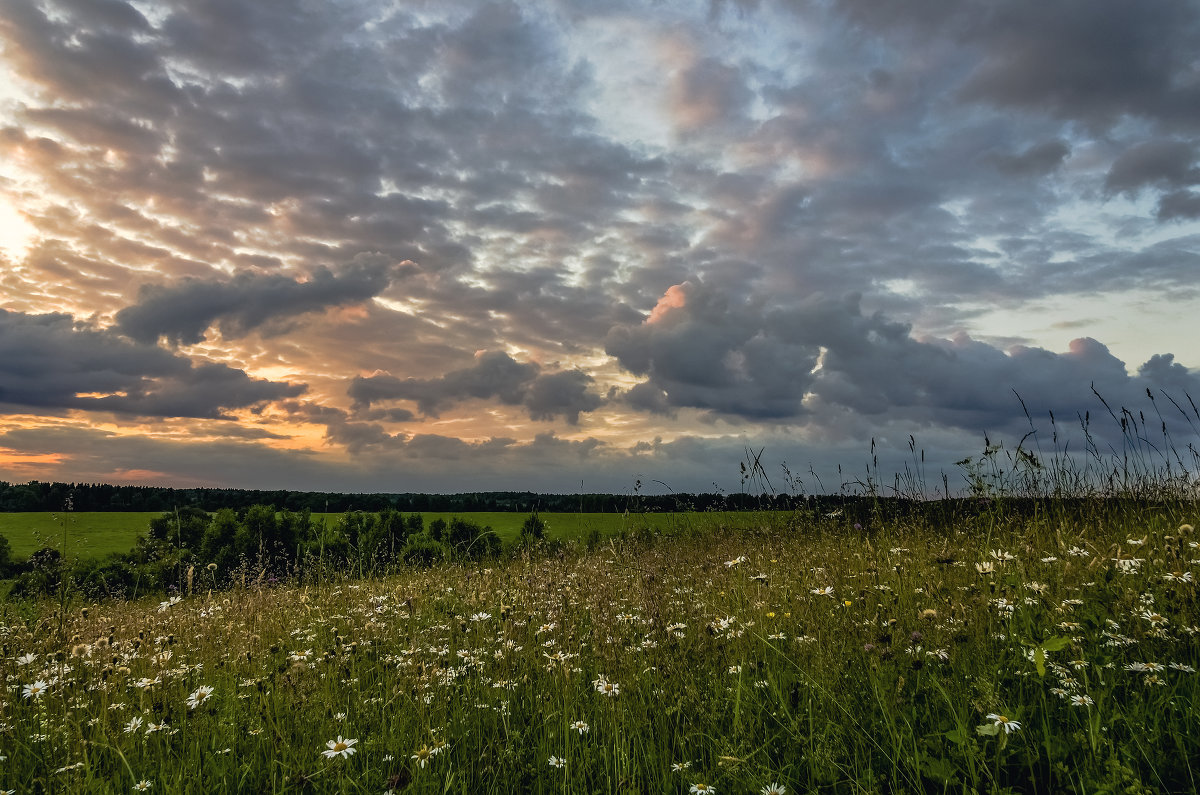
x,y
1057,643
1039,660
941,770
988,729
956,736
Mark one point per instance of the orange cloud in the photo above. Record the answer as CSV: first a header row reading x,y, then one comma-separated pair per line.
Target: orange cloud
x,y
37,466
674,298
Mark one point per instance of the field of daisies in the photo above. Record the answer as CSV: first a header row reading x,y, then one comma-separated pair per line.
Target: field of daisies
x,y
1052,650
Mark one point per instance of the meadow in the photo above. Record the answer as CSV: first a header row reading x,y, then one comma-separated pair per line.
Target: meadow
x,y
1044,650
88,534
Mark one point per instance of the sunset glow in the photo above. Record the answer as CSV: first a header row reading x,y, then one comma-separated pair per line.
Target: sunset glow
x,y
16,234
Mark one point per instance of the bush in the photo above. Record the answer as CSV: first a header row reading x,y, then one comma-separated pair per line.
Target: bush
x,y
421,550
183,527
111,577
6,563
42,574
534,529
470,541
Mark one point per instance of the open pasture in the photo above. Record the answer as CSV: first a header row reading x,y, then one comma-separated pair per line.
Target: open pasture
x,y
96,534
82,535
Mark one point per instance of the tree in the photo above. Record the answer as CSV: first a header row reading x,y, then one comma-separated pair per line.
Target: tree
x,y
184,527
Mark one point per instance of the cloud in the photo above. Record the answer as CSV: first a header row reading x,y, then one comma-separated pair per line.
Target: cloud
x,y
1180,204
183,312
1166,162
704,92
1038,159
692,189
1086,60
704,351
800,362
53,362
647,397
495,375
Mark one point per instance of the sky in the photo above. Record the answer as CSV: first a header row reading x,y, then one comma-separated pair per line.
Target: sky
x,y
582,245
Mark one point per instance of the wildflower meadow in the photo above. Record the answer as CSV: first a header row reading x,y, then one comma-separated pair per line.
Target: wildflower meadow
x,y
1052,649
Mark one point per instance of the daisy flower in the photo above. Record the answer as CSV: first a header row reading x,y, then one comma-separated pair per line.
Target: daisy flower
x,y
607,688
36,690
698,788
199,696
773,789
1007,724
557,761
142,786
423,755
339,747
579,726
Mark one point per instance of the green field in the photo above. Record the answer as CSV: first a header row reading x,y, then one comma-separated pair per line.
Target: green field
x,y
94,535
79,535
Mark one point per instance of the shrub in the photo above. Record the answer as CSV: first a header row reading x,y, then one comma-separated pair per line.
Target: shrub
x,y
41,575
534,529
421,549
6,562
111,577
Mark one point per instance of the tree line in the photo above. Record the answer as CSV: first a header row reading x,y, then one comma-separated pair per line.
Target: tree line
x,y
46,496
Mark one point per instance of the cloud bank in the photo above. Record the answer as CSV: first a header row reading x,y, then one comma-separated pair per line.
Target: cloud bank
x,y
366,237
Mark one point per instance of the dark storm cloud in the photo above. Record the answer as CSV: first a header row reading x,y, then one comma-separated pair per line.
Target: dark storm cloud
x,y
783,363
53,362
1087,60
1169,163
183,312
1180,204
705,353
494,375
647,397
